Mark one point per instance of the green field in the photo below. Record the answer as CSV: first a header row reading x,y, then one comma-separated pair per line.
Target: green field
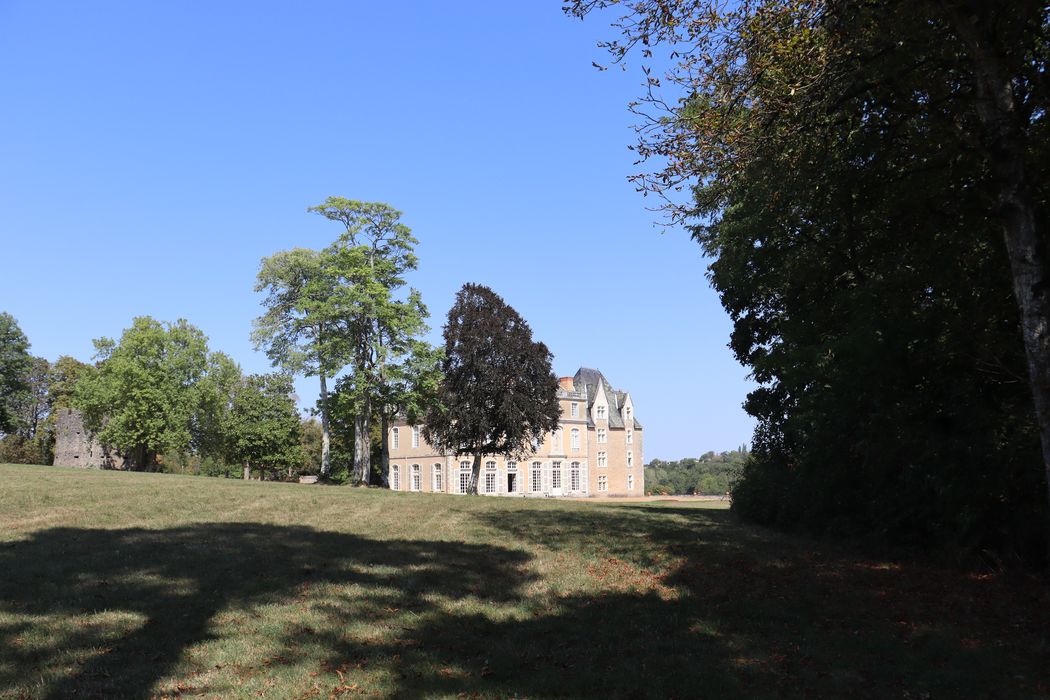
x,y
139,585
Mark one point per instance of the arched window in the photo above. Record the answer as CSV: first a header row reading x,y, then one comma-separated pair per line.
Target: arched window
x,y
439,486
395,477
417,478
394,438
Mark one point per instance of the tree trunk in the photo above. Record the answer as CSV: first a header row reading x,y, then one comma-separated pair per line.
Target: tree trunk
x,y
247,472
362,442
326,436
475,474
384,458
1027,248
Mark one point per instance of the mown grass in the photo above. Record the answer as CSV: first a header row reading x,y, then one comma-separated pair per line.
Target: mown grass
x,y
143,585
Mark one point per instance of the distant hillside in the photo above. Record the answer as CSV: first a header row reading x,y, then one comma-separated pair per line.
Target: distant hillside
x,y
711,473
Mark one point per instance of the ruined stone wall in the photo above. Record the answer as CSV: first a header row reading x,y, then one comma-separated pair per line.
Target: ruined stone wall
x,y
76,447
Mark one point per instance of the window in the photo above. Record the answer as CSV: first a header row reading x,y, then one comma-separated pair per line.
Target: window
x,y
464,476
601,434
395,477
575,411
490,465
535,444
600,410
556,440
603,483
575,437
512,466
394,439
574,476
601,460
630,460
630,437
438,485
555,475
536,474
627,414
415,437
417,478
490,481
630,482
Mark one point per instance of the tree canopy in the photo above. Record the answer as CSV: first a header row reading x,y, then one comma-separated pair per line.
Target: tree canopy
x,y
870,180
15,362
498,393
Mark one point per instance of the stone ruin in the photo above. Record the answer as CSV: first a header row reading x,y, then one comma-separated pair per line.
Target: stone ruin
x,y
75,446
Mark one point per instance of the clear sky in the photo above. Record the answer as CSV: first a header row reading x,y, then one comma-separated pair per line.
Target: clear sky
x,y
152,153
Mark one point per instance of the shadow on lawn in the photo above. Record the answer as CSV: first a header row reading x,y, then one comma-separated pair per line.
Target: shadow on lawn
x,y
179,579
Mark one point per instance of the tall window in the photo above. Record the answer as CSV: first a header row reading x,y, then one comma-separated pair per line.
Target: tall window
x,y
464,476
627,414
417,478
395,477
575,411
555,475
575,437
630,482
438,485
394,439
574,476
600,410
602,462
536,485
601,434
415,436
556,440
490,482
630,460
603,483
630,437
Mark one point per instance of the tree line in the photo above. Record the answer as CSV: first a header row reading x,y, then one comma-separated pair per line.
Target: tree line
x,y
163,400
870,181
710,474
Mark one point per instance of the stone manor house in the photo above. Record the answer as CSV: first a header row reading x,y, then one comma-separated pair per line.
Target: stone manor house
x,y
596,450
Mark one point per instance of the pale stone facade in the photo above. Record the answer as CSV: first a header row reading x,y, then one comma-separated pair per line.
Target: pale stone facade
x,y
595,451
75,446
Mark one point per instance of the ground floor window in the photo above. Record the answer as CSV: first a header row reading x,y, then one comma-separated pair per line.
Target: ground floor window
x,y
438,486
417,478
537,484
490,482
395,478
556,475
603,483
630,482
464,476
574,476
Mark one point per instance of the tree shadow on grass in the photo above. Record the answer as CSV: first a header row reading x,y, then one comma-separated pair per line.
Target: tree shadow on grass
x,y
171,584
735,611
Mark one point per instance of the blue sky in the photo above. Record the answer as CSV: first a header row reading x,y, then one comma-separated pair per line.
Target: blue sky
x,y
152,153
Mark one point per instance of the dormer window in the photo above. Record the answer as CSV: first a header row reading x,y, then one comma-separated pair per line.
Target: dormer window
x,y
600,411
627,413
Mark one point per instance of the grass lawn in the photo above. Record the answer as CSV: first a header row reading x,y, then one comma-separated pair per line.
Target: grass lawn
x,y
140,585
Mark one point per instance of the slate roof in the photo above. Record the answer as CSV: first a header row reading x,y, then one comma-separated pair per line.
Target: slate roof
x,y
587,379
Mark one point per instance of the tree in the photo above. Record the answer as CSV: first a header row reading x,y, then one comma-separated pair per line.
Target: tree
x,y
851,167
303,329
143,396
262,429
15,362
368,261
498,393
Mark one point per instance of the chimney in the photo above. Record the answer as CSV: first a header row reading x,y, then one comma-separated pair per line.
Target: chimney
x,y
566,384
